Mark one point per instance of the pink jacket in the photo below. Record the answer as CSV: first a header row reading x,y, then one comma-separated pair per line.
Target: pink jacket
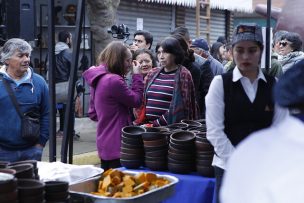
x,y
110,104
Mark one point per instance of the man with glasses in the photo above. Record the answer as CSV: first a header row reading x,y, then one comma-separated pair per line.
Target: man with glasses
x,y
142,40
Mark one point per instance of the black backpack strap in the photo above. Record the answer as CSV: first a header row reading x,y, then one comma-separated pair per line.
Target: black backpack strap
x,y
12,96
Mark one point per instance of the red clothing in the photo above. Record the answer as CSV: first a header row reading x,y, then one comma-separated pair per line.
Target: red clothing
x,y
183,104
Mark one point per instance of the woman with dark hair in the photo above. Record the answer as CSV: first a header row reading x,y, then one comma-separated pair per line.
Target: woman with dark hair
x,y
218,51
145,59
290,48
169,94
111,99
240,102
202,76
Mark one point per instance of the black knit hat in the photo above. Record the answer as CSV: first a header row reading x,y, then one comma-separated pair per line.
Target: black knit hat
x,y
247,32
289,91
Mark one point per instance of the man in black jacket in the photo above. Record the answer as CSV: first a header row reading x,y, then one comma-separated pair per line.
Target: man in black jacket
x,y
63,56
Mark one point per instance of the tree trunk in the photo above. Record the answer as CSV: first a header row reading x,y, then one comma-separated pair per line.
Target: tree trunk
x,y
102,14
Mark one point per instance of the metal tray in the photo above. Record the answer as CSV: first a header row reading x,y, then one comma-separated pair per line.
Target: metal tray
x,y
80,192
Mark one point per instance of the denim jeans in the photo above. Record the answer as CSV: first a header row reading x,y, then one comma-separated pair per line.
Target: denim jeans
x,y
31,153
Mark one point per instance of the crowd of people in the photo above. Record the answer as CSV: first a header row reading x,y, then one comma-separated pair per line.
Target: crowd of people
x,y
182,78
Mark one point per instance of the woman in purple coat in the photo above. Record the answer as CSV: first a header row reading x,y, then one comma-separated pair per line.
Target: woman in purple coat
x,y
111,99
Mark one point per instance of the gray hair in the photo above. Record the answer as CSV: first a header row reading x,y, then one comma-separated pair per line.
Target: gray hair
x,y
13,45
295,39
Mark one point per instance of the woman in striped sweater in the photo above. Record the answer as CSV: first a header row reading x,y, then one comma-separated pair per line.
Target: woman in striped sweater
x,y
169,94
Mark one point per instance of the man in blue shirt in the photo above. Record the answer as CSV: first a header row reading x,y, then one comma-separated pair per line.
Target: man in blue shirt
x,y
31,92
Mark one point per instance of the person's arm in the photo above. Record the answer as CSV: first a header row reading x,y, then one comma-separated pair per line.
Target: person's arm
x,y
215,113
44,116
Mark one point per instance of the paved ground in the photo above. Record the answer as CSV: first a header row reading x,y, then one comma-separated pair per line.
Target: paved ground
x,y
84,151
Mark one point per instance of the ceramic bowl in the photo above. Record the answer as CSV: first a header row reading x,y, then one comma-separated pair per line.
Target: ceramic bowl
x,y
8,183
156,165
23,170
191,123
30,187
182,137
132,131
131,164
56,186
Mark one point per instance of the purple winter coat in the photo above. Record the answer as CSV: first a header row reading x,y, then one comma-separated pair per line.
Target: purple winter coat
x,y
110,101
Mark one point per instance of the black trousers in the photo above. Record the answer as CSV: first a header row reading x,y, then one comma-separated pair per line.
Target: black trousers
x,y
61,117
107,164
219,173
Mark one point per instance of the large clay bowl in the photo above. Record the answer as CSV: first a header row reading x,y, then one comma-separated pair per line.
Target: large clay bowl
x,y
155,148
177,161
131,156
133,131
155,143
182,137
181,157
179,126
33,162
149,136
30,187
182,147
156,165
8,183
191,123
23,170
56,186
131,146
131,141
199,129
132,151
155,158
131,164
157,153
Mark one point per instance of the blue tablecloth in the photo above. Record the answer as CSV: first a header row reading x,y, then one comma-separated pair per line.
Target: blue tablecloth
x,y
191,188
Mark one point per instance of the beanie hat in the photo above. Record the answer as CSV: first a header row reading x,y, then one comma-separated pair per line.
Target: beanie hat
x,y
247,32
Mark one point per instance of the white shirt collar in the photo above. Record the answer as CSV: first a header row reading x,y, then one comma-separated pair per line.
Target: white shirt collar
x,y
237,75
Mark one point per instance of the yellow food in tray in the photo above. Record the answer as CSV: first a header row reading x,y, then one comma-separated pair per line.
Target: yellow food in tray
x,y
117,184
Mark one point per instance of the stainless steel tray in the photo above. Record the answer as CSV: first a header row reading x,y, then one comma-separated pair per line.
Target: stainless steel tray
x,y
81,192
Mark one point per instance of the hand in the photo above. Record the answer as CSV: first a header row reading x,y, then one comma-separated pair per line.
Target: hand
x,y
133,47
136,67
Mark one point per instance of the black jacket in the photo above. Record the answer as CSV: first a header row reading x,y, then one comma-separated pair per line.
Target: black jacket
x,y
202,77
63,65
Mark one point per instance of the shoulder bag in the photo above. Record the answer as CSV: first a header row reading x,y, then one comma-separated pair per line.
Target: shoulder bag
x,y
30,120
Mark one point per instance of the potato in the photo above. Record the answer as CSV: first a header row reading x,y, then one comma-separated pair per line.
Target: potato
x,y
117,184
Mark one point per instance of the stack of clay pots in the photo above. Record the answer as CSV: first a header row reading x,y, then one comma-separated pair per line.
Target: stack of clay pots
x,y
132,148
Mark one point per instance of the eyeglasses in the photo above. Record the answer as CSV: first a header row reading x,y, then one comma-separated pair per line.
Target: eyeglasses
x,y
283,44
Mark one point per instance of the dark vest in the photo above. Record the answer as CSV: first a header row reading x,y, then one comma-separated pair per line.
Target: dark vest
x,y
241,116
